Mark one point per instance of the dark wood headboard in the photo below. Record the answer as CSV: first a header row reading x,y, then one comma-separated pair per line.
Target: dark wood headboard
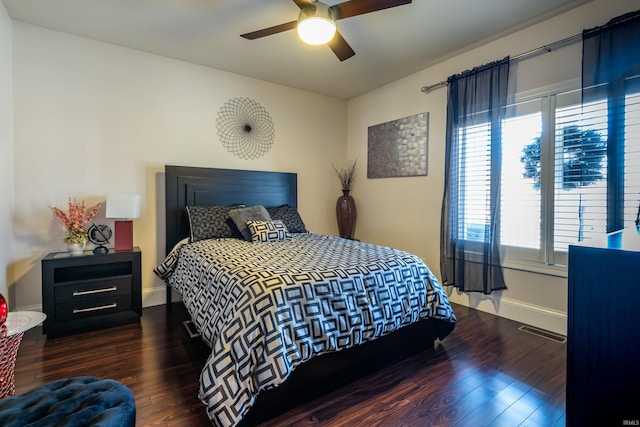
x,y
193,186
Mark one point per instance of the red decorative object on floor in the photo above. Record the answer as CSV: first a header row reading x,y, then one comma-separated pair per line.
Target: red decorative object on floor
x,y
4,310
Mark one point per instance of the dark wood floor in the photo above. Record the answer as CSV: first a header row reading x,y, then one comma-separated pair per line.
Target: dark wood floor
x,y
486,373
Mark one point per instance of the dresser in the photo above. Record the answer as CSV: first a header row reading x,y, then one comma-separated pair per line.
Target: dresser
x,y
86,292
603,333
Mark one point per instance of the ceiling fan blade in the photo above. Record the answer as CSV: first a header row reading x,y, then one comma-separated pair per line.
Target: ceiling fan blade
x,y
360,7
271,30
302,3
340,47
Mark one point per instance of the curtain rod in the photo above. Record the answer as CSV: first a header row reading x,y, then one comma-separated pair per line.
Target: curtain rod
x,y
546,48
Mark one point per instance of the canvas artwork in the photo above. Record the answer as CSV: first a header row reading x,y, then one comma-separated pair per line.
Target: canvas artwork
x,y
398,148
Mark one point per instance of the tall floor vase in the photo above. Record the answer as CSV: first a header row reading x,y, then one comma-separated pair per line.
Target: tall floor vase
x,y
346,214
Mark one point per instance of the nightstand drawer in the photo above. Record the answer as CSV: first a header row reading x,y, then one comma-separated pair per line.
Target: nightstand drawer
x,y
90,289
92,307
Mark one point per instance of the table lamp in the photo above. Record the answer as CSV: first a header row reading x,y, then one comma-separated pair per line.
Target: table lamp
x,y
123,207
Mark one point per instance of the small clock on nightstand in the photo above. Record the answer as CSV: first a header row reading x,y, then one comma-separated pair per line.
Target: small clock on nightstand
x,y
99,235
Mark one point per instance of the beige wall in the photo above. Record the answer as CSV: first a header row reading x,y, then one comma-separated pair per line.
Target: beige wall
x,y
405,212
6,153
93,118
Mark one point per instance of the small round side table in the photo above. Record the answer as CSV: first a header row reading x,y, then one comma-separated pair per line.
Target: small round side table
x,y
11,333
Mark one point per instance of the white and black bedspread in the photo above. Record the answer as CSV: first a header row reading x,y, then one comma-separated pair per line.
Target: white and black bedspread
x,y
264,308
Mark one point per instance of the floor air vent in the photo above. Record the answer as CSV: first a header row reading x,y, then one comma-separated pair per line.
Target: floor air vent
x,y
191,329
544,334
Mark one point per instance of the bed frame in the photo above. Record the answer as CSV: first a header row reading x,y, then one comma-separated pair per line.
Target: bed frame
x,y
188,186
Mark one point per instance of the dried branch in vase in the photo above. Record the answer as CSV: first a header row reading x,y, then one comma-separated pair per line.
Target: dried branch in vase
x,y
346,174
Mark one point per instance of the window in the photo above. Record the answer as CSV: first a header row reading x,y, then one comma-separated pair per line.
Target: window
x,y
475,192
580,174
521,202
562,181
632,159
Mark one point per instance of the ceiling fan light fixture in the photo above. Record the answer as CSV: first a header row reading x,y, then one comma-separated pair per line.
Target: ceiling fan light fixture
x,y
316,26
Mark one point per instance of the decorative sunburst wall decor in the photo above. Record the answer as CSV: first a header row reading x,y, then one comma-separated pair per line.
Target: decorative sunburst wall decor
x,y
245,128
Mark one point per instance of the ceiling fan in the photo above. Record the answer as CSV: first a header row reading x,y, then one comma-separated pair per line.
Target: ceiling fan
x,y
324,15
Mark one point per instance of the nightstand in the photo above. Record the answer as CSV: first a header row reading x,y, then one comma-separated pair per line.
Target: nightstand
x,y
87,292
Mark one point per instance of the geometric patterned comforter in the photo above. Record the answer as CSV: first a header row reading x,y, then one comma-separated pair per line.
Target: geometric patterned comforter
x,y
265,308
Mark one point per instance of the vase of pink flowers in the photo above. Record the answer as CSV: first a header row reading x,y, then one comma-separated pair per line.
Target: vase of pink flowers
x,y
74,221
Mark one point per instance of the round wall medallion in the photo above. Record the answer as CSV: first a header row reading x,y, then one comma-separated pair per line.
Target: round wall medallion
x,y
245,128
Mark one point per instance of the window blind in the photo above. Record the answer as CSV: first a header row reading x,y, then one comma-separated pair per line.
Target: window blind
x,y
580,173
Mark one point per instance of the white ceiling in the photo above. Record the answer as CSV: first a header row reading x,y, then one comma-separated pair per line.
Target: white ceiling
x,y
389,44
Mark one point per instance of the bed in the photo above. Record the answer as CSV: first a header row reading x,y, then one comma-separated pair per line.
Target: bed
x,y
288,315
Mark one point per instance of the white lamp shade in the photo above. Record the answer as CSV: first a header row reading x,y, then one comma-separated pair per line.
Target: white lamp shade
x,y
123,206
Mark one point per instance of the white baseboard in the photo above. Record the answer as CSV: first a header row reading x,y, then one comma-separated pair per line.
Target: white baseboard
x,y
154,296
29,308
529,314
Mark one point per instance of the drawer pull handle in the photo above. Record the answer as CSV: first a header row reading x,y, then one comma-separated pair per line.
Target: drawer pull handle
x,y
102,307
95,291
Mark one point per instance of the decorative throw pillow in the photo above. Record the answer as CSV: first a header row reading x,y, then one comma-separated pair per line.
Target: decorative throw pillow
x,y
208,222
290,216
268,231
252,213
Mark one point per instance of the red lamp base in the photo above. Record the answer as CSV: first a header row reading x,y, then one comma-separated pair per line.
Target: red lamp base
x,y
124,235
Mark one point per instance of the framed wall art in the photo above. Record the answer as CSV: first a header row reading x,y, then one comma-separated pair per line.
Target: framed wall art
x,y
398,148
245,128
